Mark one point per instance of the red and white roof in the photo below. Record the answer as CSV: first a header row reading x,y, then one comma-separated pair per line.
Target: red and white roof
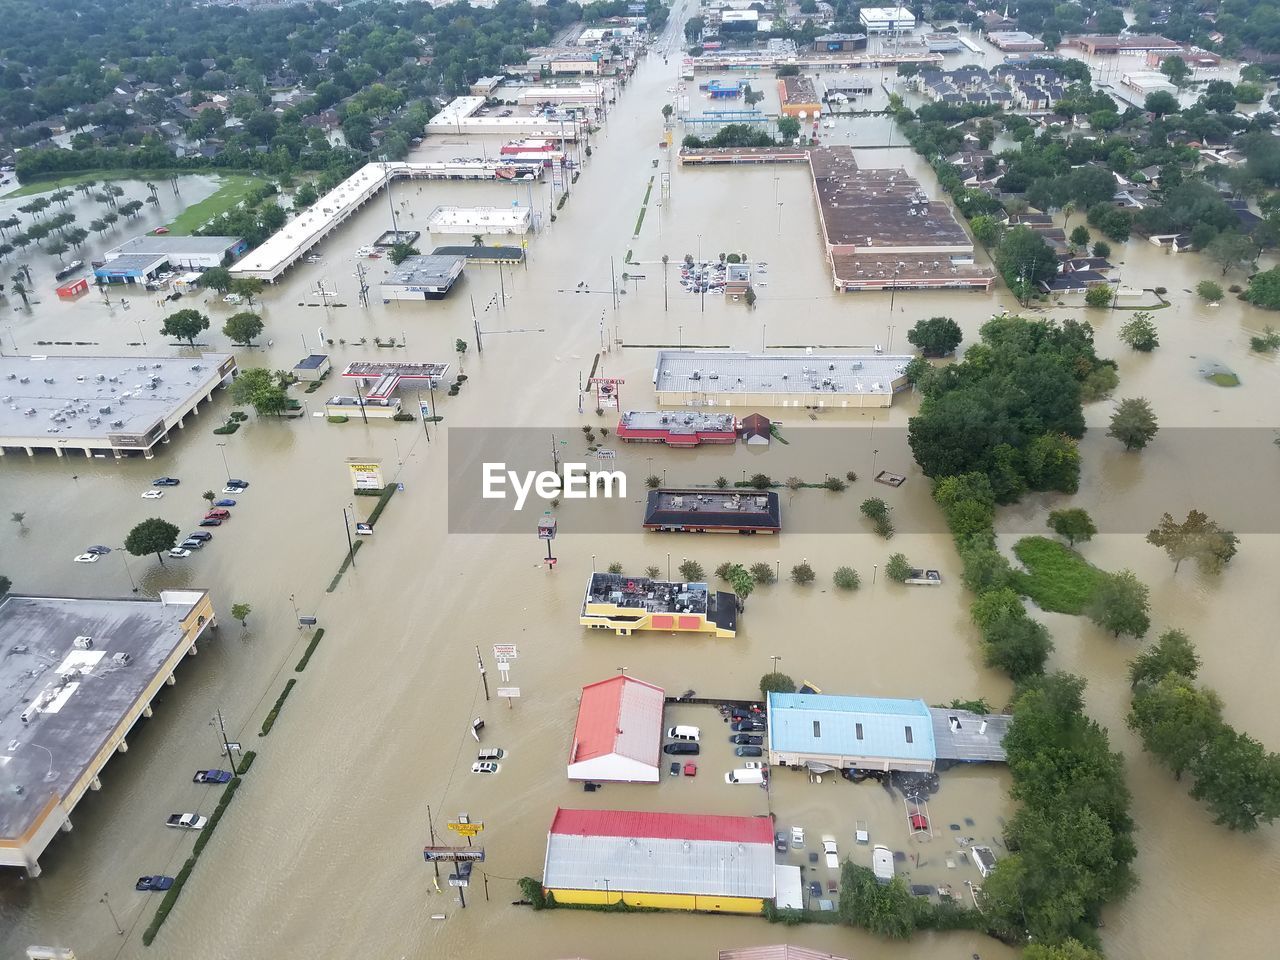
x,y
618,736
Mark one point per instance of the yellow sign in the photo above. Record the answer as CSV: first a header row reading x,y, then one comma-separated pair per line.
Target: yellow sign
x,y
465,829
366,474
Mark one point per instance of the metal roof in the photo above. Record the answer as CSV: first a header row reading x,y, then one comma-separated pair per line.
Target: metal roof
x,y
814,723
428,270
968,739
660,853
620,716
726,371
171,245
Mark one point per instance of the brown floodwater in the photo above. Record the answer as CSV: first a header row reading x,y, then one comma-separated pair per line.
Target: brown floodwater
x,y
320,854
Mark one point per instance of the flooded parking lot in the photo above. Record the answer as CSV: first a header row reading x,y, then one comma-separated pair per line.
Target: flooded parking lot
x,y
320,855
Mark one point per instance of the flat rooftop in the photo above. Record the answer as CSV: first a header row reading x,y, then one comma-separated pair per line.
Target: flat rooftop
x,y
755,509
408,371
140,262
879,208
736,372
680,422
429,270
798,90
83,695
171,243
969,737
478,218
47,400
653,596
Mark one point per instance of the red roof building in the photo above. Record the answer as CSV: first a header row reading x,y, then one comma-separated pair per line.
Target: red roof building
x,y
662,826
618,736
678,428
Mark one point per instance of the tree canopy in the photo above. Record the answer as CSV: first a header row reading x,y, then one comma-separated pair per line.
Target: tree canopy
x,y
185,325
151,536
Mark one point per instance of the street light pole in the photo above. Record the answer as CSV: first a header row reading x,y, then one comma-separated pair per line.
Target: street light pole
x,y
484,677
128,572
231,759
775,660
351,547
222,447
103,900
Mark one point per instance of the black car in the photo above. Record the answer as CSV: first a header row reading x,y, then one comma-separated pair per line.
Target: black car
x,y
166,482
675,768
747,725
682,747
746,738
200,535
99,550
780,842
815,889
191,544
238,484
749,752
210,522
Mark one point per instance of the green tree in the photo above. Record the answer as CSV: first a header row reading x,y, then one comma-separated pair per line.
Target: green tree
x,y
615,564
691,572
1231,250
241,611
185,325
936,336
802,573
788,128
258,388
877,511
652,572
243,327
987,230
1070,949
776,683
1197,538
1172,653
653,481
898,568
216,278
884,910
1239,780
1080,236
57,248
1052,462
18,516
1160,103
761,481
1102,249
1134,423
210,496
151,536
1175,720
1024,259
1264,289
1176,69
1248,93
305,196
1140,332
762,573
667,110
5,585
846,578
401,252
247,287
1120,604
1099,296
1074,525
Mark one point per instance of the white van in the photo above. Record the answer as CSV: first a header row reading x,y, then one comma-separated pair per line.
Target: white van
x,y
490,755
684,733
743,775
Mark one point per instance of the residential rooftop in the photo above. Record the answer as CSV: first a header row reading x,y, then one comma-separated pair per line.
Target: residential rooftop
x,y
727,371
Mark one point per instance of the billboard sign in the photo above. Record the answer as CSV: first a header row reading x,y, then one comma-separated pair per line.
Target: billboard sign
x,y
466,829
365,474
453,854
509,692
505,651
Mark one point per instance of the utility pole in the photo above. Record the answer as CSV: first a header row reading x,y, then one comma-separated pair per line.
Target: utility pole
x,y
613,282
227,745
484,677
351,547
431,827
104,900
360,400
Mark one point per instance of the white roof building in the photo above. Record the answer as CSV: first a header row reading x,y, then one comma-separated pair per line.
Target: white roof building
x,y
884,19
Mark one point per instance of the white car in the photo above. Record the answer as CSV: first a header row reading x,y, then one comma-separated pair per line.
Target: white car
x,y
232,298
232,490
153,495
753,765
797,838
484,767
179,553
87,558
829,848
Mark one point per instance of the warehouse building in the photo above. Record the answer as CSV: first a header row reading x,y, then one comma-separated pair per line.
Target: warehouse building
x,y
623,604
703,510
839,42
847,733
797,97
709,378
142,258
669,861
76,675
1128,43
428,277
101,405
618,736
879,734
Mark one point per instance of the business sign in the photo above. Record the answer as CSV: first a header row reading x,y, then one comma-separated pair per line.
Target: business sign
x,y
466,829
364,529
505,651
424,408
366,474
509,692
457,881
453,854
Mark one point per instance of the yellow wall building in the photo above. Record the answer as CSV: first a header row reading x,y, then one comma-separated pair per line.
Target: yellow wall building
x,y
615,601
666,861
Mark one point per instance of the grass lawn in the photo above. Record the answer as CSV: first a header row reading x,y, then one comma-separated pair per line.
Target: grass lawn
x,y
1057,577
231,190
102,176
1224,379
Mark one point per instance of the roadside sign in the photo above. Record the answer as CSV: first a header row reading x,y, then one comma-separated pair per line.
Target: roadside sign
x,y
424,408
505,651
457,881
364,529
452,854
399,488
232,745
466,829
508,692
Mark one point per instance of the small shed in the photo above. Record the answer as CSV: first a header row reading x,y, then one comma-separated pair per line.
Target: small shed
x,y
756,429
75,288
312,368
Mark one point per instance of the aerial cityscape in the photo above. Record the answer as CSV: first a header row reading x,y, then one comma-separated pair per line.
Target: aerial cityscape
x,y
756,479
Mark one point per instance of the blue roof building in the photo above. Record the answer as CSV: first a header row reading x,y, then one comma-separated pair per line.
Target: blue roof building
x,y
842,733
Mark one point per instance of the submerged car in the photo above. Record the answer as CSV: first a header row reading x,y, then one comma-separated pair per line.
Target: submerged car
x,y
200,535
749,752
682,747
186,821
212,776
210,522
153,495
746,738
99,550
179,553
87,558
165,482
484,767
224,503
156,882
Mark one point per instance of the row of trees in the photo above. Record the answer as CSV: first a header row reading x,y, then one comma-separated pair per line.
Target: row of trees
x,y
1180,724
188,324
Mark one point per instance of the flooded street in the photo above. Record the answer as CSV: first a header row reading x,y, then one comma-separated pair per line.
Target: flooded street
x,y
320,855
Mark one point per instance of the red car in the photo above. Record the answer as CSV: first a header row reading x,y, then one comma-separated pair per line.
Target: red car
x,y
218,514
690,769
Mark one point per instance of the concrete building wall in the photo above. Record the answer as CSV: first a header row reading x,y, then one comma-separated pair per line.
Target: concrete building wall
x,y
663,901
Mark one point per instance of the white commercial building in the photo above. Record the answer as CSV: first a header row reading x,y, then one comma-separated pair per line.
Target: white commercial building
x,y
459,117
886,19
483,220
422,278
1145,82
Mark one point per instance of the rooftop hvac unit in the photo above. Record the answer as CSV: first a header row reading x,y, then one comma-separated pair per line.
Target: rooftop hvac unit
x,y
117,424
24,379
856,365
48,379
106,409
83,643
122,659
